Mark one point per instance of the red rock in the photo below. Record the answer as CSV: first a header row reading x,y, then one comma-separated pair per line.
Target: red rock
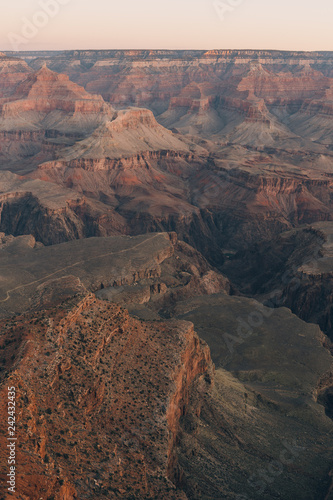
x,y
46,91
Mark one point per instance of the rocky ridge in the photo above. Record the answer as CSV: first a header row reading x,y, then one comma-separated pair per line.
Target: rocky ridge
x,y
111,418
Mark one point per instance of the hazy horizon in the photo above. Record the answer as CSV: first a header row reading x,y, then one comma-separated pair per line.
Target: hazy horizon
x,y
196,25
143,49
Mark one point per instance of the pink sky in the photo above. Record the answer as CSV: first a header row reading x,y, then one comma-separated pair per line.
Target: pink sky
x,y
196,24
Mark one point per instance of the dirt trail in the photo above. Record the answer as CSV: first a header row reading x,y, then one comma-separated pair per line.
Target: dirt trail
x,y
8,293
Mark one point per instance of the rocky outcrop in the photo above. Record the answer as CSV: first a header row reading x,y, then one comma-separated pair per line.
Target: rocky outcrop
x,y
302,84
125,382
45,101
253,110
12,72
46,91
22,213
312,299
294,270
52,214
132,133
195,362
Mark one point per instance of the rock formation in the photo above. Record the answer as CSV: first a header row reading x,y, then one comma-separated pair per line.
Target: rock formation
x,y
44,111
98,411
212,190
12,72
109,405
143,196
293,270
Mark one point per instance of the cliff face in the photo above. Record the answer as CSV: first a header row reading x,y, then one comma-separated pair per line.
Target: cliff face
x,y
44,112
140,161
12,72
110,394
195,363
46,91
293,270
207,206
302,84
312,300
309,295
22,213
263,403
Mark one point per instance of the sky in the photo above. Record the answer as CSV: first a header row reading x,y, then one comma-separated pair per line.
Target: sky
x,y
168,24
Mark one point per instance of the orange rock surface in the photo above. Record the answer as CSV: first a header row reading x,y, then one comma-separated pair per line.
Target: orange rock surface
x,y
99,398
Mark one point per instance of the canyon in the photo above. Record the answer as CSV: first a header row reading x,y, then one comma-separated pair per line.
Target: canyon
x,y
145,379
166,273
236,133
